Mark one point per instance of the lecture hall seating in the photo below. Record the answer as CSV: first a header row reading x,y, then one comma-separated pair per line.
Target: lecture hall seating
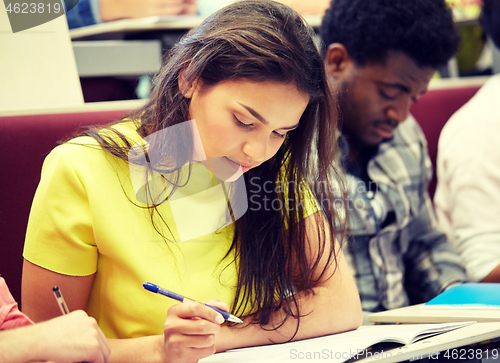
x,y
432,111
25,140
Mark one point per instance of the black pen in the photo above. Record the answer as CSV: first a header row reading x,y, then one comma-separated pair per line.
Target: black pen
x,y
60,300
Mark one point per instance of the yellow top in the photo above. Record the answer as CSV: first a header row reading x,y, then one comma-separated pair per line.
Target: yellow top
x,y
87,218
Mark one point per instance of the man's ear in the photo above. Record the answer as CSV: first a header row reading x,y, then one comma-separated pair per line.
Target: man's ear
x,y
187,88
337,60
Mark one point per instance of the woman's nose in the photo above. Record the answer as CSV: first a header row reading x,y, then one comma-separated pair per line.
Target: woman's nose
x,y
256,149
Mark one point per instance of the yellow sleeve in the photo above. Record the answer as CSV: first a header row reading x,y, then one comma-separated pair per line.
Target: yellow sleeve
x,y
59,235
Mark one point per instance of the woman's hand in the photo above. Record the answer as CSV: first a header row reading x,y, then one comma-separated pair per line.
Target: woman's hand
x,y
190,331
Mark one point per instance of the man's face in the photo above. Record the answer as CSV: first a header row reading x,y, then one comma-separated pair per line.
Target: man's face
x,y
376,97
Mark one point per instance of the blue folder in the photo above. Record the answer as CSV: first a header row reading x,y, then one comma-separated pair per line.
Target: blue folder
x,y
468,296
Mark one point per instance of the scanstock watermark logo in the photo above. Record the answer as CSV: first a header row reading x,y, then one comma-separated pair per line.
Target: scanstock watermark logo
x,y
27,14
206,196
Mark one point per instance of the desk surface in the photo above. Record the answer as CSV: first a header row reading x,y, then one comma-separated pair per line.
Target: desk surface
x,y
417,314
153,23
183,22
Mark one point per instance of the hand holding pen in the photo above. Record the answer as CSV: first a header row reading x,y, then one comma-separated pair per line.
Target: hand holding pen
x,y
75,336
191,328
158,290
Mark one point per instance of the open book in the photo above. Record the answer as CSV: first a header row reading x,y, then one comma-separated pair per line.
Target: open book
x,y
468,296
335,348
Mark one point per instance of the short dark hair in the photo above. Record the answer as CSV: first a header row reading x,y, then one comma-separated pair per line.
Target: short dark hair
x,y
369,29
490,19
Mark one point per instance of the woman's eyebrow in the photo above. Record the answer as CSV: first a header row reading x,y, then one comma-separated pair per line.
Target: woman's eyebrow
x,y
255,114
262,119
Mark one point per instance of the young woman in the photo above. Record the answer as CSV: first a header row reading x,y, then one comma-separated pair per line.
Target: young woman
x,y
136,201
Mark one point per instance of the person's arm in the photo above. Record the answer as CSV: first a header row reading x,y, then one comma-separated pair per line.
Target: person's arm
x,y
432,262
37,296
188,332
311,7
493,276
119,9
333,307
468,197
90,12
70,338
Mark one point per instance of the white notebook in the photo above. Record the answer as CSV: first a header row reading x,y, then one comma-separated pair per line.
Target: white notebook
x,y
335,348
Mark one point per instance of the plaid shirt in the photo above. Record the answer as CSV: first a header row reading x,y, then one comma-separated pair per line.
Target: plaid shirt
x,y
403,260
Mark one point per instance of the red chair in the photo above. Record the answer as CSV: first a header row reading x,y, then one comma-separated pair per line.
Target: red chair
x,y
433,110
24,143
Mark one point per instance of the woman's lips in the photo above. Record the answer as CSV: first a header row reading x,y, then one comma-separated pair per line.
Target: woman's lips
x,y
245,168
233,163
237,165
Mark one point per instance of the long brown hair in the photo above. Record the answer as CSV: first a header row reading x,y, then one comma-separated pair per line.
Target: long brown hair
x,y
260,41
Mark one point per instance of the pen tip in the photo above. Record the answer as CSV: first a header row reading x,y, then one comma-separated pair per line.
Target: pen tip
x,y
235,319
55,288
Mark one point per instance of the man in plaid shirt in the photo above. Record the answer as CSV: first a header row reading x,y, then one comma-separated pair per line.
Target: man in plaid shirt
x,y
380,58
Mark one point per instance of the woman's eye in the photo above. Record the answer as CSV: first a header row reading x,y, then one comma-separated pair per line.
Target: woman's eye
x,y
247,126
277,134
241,124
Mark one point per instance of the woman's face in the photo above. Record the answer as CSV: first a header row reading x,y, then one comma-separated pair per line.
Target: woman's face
x,y
243,122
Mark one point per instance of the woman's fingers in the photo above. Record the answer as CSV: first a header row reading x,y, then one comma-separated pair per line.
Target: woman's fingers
x,y
196,310
190,330
218,304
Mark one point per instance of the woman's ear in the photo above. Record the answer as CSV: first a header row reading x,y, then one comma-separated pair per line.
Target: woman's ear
x,y
337,60
187,88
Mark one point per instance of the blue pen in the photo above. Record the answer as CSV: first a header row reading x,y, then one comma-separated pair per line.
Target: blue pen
x,y
158,290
